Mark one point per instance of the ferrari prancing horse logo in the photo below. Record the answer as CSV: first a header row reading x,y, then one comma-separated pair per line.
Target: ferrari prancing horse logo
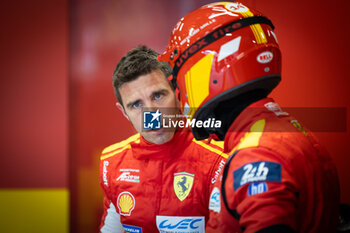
x,y
183,182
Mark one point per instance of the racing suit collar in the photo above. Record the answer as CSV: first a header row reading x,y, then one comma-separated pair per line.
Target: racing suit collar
x,y
168,150
244,120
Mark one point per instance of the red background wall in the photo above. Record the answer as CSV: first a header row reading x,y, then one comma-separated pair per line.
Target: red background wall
x,y
57,59
34,116
33,93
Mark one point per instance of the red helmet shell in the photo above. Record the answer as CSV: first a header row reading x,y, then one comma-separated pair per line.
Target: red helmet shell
x,y
220,51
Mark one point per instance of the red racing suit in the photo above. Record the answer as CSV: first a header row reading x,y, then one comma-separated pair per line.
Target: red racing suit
x,y
278,178
158,188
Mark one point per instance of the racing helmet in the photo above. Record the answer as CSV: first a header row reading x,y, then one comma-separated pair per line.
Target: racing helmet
x,y
221,52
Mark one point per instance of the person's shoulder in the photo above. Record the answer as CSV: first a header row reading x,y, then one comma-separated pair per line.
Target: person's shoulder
x,y
211,147
276,138
119,147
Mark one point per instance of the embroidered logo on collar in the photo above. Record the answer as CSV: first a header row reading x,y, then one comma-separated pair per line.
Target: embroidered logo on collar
x,y
128,175
183,183
125,203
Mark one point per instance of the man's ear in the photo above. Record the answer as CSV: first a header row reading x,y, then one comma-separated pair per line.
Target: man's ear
x,y
121,108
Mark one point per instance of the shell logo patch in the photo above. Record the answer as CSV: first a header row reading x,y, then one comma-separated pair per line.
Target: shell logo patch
x,y
125,203
183,183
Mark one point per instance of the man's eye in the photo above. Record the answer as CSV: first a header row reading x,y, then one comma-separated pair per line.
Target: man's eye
x,y
136,105
157,96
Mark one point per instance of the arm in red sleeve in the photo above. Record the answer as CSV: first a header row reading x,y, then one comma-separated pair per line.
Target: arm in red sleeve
x,y
260,191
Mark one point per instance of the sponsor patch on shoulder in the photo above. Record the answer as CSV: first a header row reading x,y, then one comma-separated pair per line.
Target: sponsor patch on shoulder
x,y
255,172
132,229
256,188
275,108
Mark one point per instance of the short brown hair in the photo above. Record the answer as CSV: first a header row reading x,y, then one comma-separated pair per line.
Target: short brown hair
x,y
138,61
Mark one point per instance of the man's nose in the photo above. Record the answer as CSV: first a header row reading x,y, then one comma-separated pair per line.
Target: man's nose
x,y
151,105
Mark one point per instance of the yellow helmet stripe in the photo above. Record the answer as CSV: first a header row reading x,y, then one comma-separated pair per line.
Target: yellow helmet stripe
x,y
257,29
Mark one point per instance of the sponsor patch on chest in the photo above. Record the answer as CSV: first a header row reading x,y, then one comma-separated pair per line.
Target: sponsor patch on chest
x,y
125,203
255,172
132,229
129,175
214,201
174,224
183,182
218,171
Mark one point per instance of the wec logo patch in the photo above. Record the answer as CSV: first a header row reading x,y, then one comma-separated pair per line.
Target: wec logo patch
x,y
172,224
255,172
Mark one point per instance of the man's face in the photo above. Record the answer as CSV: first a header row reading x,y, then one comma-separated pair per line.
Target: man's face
x,y
149,91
